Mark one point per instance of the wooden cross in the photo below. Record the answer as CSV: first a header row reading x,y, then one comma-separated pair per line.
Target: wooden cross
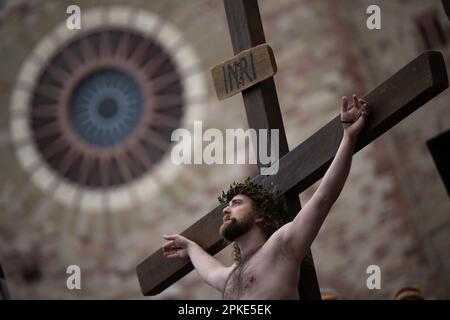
x,y
392,101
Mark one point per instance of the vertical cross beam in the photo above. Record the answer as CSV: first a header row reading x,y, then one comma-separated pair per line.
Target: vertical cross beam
x,y
263,112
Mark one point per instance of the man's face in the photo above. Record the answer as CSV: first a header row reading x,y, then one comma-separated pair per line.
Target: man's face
x,y
238,217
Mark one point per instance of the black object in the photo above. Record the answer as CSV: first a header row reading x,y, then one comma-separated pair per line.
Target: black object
x,y
439,147
446,4
4,294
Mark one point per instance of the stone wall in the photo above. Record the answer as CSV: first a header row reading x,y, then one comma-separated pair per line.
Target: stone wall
x,y
393,211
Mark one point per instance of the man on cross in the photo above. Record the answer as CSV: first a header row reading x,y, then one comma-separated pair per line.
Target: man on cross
x,y
267,253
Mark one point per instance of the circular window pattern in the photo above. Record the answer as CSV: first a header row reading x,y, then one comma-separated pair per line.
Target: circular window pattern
x,y
93,111
104,108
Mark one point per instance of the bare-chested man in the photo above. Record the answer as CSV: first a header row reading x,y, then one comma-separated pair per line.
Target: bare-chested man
x,y
267,253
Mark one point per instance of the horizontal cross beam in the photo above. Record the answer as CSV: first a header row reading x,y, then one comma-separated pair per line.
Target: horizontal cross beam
x,y
392,101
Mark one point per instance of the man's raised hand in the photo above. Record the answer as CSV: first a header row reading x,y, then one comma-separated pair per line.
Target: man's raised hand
x,y
353,119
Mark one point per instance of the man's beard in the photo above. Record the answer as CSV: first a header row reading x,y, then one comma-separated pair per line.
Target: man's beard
x,y
232,229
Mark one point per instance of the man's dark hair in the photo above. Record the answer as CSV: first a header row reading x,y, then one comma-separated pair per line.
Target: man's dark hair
x,y
271,207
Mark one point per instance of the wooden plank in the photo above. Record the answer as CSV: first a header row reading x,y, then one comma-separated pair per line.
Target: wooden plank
x,y
263,112
391,102
243,71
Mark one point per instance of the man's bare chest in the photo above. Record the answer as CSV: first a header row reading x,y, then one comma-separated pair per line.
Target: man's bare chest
x,y
242,280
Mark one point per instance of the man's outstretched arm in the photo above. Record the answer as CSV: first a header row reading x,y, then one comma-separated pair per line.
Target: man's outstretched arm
x,y
210,269
334,179
299,234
